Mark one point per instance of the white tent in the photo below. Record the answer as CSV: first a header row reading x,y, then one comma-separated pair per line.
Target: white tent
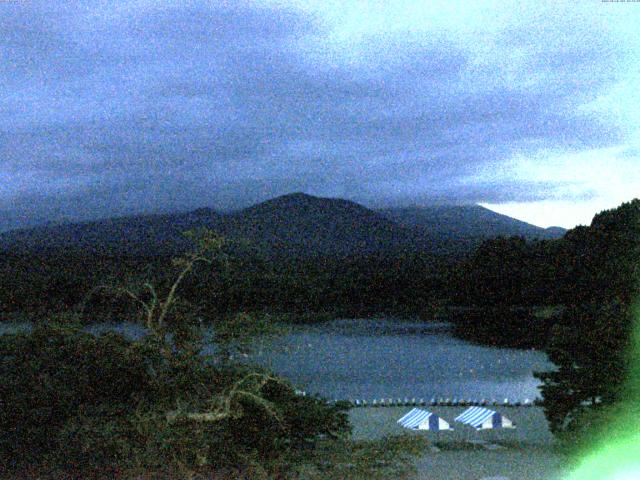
x,y
418,419
482,418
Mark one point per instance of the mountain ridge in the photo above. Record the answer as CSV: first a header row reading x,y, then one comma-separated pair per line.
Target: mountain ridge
x,y
468,221
294,224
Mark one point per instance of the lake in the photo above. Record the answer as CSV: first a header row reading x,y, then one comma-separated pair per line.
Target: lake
x,y
375,358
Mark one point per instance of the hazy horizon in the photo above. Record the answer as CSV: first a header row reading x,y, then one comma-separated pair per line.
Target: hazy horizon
x,y
505,211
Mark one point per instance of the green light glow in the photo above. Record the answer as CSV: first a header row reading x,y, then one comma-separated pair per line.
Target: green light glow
x,y
618,461
617,456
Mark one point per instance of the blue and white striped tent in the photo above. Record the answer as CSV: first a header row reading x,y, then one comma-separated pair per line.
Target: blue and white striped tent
x,y
482,418
418,419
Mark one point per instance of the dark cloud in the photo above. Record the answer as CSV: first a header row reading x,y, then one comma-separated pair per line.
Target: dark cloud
x,y
114,108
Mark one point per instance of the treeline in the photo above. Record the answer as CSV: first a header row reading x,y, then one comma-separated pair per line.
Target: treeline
x,y
588,283
32,284
592,343
584,263
575,297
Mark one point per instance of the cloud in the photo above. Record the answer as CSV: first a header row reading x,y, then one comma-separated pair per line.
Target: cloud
x,y
115,108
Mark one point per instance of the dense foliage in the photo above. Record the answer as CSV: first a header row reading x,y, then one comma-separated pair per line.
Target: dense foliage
x,y
590,343
79,404
588,282
31,284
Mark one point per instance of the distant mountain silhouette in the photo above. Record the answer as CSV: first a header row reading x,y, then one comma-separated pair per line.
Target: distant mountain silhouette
x,y
449,222
135,235
302,224
296,224
556,232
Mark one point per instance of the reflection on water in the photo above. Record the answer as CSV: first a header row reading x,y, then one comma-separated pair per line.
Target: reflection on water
x,y
387,358
376,358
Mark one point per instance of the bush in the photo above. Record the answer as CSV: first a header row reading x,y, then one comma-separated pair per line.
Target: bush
x,y
77,402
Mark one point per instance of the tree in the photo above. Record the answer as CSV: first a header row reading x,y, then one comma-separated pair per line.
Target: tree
x,y
589,348
590,344
87,404
495,274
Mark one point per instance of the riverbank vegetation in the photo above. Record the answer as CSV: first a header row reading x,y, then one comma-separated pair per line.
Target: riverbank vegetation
x,y
76,404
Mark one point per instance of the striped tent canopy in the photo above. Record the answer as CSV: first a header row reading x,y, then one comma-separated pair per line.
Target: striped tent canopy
x,y
418,419
482,418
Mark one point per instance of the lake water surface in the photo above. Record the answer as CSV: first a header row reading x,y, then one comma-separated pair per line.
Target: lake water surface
x,y
375,358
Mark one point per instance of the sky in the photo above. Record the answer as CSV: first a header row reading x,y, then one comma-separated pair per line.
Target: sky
x,y
111,108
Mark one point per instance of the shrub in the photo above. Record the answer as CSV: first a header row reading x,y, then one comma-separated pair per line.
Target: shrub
x,y
84,403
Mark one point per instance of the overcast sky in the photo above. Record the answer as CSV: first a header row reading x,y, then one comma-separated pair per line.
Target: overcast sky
x,y
118,107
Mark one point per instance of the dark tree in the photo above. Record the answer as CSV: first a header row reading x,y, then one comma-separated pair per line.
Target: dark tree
x,y
590,344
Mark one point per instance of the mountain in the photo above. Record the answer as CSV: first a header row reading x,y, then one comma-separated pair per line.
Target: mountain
x,y
456,222
556,232
301,224
135,235
294,225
